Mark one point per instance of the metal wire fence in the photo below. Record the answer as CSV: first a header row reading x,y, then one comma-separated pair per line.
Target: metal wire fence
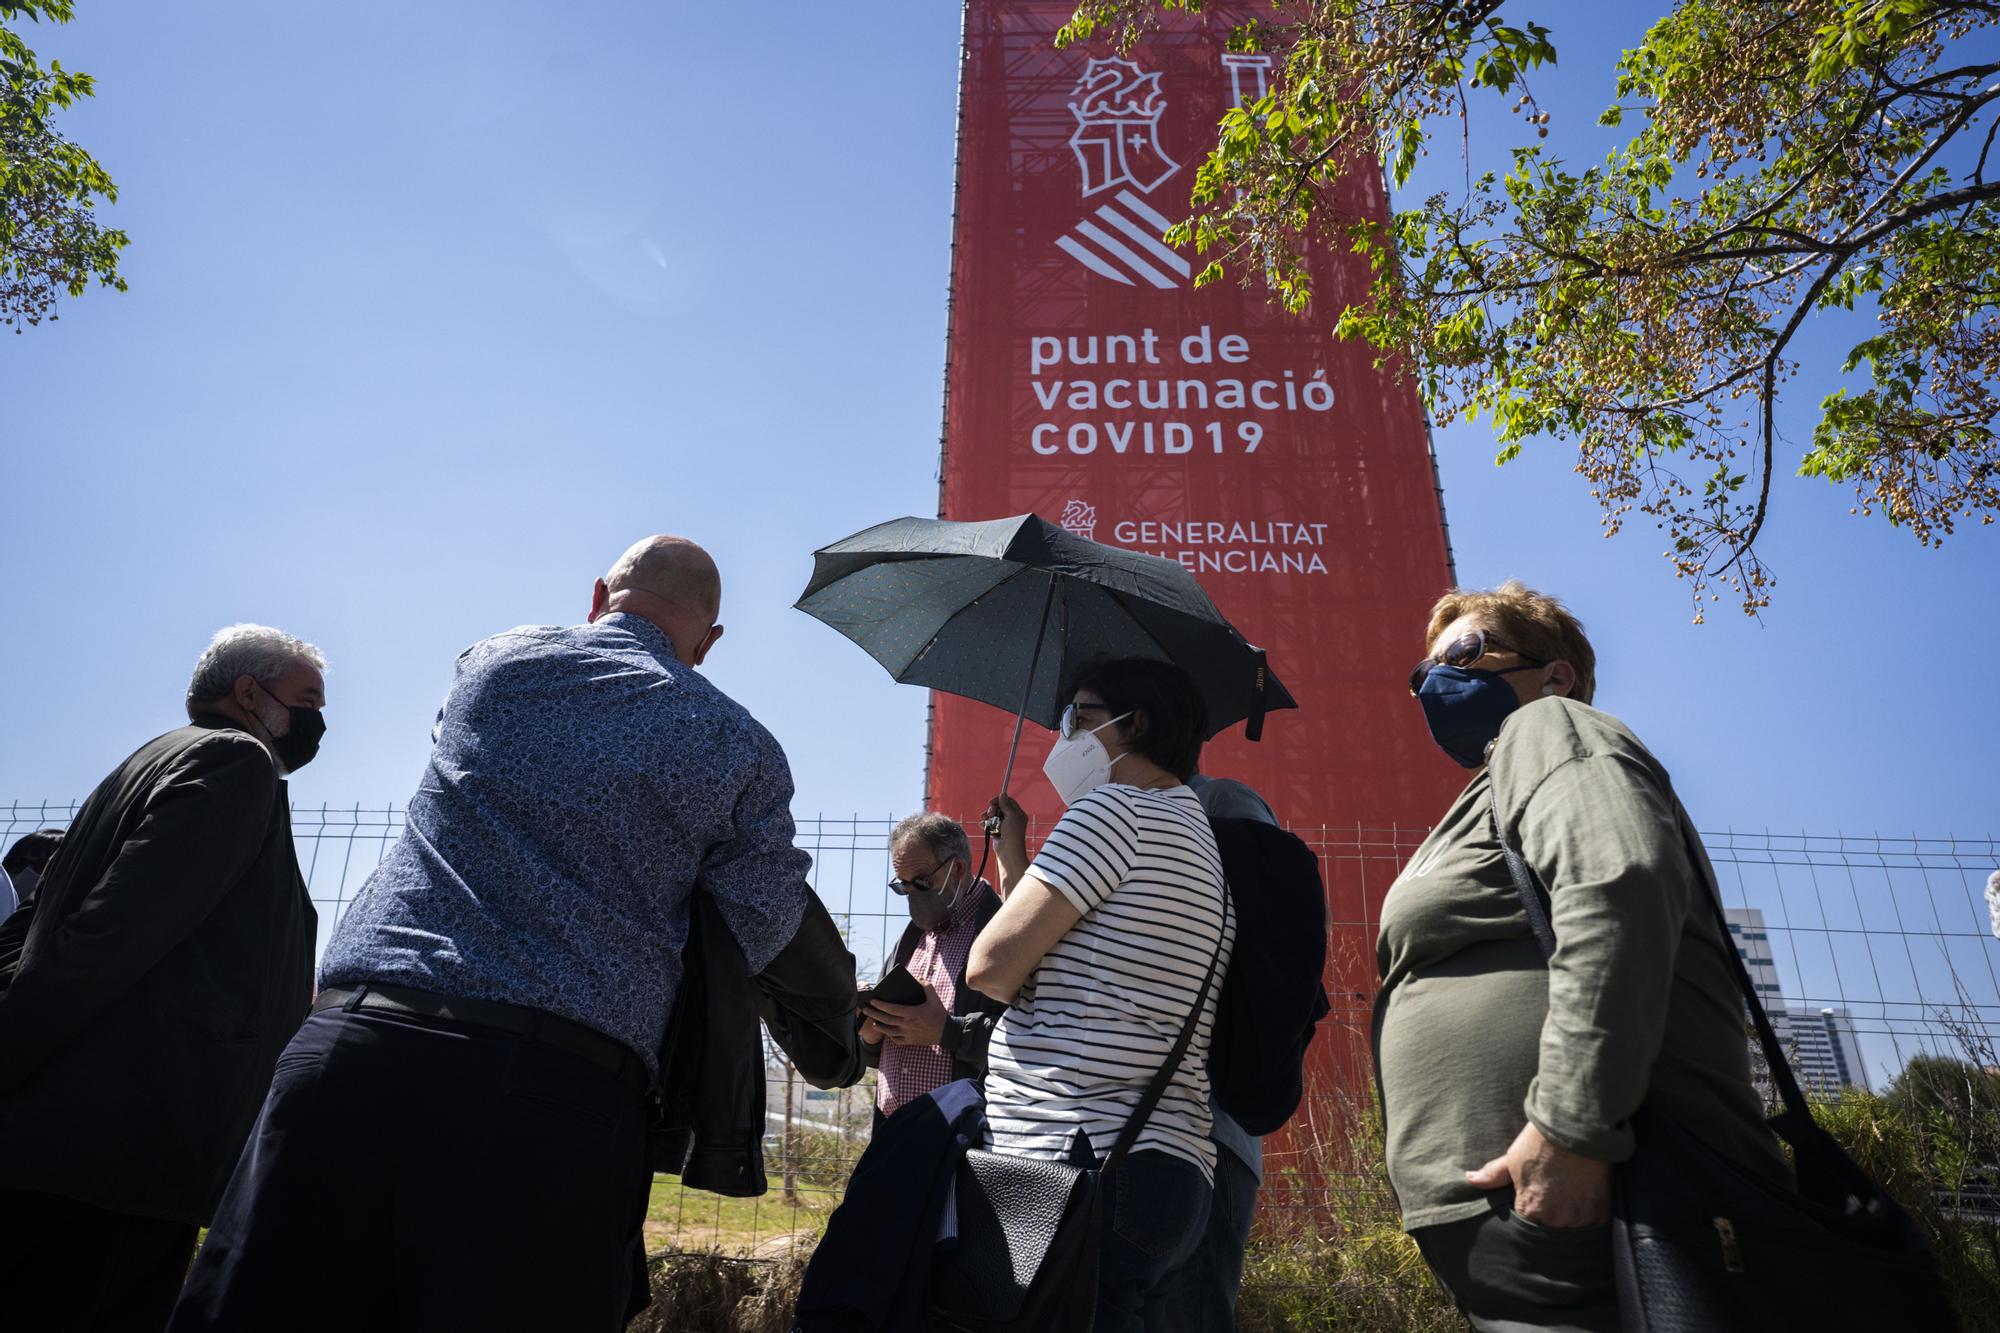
x,y
1893,930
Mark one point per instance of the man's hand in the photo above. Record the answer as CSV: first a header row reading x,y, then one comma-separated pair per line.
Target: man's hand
x,y
907,1024
1553,1187
869,1033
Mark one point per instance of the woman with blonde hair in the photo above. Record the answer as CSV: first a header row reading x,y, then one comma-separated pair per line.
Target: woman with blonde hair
x,y
1509,1082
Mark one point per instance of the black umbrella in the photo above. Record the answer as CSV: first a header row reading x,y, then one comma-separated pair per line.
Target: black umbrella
x,y
1006,611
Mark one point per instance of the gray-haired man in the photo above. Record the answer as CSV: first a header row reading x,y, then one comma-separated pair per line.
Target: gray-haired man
x,y
169,960
918,1047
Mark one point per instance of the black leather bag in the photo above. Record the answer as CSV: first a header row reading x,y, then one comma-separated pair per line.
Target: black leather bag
x,y
1029,1228
1702,1246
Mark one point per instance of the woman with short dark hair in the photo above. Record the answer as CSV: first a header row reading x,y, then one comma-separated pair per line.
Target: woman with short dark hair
x,y
1101,948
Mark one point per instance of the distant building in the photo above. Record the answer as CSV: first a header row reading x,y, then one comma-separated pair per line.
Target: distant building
x,y
1824,1053
1829,1057
1753,944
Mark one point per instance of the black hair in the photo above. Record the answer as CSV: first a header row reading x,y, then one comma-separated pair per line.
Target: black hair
x,y
32,849
1170,718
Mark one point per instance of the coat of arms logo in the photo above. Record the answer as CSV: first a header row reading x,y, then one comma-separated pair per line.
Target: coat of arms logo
x,y
1117,107
1080,519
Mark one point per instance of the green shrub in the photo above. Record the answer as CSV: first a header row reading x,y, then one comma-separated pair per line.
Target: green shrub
x,y
820,1159
1924,1154
1330,1254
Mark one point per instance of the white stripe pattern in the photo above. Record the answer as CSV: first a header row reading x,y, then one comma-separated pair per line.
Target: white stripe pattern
x,y
1100,1013
1135,251
1151,241
1132,261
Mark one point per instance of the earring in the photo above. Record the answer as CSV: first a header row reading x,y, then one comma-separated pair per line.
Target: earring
x,y
1548,690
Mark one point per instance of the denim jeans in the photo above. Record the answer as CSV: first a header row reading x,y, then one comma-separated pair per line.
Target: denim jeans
x,y
1154,1215
1201,1294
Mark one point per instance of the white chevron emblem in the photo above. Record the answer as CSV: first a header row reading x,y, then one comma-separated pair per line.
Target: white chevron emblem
x,y
1121,241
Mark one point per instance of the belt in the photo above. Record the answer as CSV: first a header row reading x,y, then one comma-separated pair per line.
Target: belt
x,y
519,1020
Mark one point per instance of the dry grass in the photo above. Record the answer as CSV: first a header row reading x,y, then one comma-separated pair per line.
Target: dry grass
x,y
715,1293
1330,1254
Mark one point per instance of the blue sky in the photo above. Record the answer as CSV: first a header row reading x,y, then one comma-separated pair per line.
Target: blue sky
x,y
434,308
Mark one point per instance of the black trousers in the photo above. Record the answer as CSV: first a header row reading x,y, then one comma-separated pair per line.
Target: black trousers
x,y
68,1267
1509,1275
415,1174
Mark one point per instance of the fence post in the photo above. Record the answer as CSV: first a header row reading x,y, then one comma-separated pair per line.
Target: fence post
x,y
791,1137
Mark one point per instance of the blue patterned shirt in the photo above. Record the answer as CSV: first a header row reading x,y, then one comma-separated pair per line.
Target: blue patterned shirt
x,y
582,783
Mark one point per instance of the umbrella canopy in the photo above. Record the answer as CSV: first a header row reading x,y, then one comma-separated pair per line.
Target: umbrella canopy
x,y
976,609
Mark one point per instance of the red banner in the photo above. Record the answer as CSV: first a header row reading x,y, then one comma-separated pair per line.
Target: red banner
x,y
1090,383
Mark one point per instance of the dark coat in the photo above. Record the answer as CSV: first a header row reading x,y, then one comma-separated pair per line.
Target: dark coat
x,y
169,962
708,1127
969,1029
872,1267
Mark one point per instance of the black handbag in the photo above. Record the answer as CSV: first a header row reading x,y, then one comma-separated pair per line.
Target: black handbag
x,y
1701,1245
1029,1228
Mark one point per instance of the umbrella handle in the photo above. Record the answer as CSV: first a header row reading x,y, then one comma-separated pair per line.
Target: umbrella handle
x,y
1028,695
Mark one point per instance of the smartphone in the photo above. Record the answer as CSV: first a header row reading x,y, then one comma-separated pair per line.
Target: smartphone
x,y
899,987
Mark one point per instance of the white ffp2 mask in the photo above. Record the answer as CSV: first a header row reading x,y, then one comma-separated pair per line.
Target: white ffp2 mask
x,y
1078,765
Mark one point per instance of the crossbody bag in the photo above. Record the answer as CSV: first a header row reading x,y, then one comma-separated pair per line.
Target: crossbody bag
x,y
1030,1228
1702,1245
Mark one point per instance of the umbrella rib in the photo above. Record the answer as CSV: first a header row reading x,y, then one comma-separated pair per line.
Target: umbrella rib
x,y
1140,624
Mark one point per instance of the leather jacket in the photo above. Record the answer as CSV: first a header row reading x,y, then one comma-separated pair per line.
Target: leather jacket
x,y
708,1123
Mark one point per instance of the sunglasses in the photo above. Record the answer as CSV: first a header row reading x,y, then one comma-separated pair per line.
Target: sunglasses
x,y
903,888
1463,652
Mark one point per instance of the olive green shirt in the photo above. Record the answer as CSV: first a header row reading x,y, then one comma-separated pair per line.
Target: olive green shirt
x,y
1478,1034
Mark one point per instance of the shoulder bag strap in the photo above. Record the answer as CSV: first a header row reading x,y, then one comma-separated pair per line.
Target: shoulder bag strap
x,y
1535,902
1158,1087
1534,898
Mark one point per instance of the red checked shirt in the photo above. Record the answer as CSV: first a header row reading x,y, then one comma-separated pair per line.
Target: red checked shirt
x,y
908,1072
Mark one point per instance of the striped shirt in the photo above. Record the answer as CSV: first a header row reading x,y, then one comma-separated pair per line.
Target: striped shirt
x,y
1100,1013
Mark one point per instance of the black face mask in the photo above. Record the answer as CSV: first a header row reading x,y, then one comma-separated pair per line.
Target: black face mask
x,y
300,742
296,748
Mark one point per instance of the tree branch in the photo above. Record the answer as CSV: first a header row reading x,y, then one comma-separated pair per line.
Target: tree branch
x,y
1770,398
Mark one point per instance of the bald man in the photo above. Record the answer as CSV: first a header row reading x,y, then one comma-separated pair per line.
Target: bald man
x,y
456,1137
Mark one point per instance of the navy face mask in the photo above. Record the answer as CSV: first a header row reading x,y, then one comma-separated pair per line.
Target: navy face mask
x,y
1465,707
